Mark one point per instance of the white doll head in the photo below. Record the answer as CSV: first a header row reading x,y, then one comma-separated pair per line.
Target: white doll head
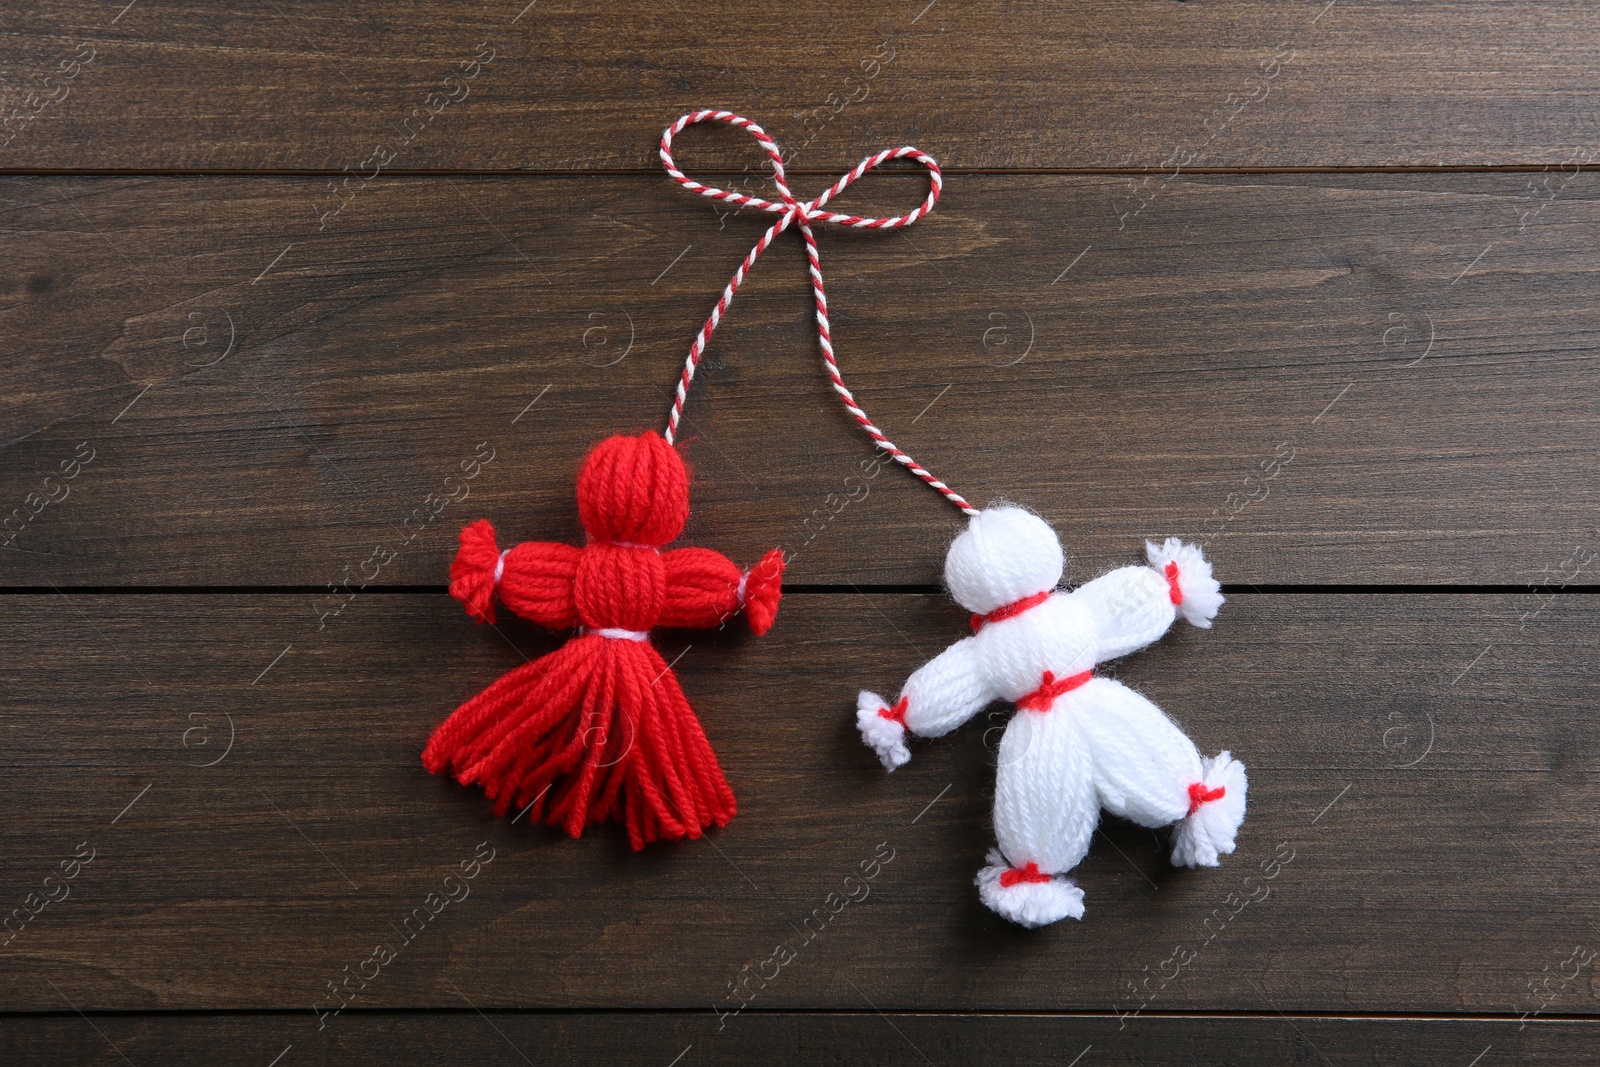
x,y
1004,555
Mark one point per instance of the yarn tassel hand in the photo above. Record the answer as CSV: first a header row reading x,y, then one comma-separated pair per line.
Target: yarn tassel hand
x,y
600,730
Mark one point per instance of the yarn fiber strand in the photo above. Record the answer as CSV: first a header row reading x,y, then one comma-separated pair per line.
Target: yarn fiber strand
x,y
599,730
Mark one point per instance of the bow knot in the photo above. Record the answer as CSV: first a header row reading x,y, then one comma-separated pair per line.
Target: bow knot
x,y
787,203
801,214
805,212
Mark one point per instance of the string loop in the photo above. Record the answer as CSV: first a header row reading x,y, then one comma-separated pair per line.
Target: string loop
x,y
800,214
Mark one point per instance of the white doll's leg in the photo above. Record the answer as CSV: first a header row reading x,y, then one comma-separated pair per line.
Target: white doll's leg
x,y
1045,812
1143,763
1147,770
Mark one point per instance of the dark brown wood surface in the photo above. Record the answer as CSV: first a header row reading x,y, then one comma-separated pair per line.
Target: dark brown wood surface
x,y
1312,284
315,85
1325,378
1418,839
893,1039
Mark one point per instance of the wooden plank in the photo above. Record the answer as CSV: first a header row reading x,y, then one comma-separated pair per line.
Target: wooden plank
x,y
1327,378
864,1037
1421,768
303,85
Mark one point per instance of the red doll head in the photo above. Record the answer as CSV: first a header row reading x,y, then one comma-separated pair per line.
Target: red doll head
x,y
634,490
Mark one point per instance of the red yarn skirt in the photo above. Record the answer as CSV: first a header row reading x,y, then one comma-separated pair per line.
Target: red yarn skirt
x,y
597,730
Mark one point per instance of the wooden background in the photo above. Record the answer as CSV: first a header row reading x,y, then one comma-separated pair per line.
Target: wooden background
x,y
1311,283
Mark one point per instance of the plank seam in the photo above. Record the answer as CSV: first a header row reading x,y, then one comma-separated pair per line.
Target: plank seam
x,y
808,589
645,172
778,1013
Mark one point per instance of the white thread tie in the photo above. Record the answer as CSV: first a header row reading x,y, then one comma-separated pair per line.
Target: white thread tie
x,y
617,634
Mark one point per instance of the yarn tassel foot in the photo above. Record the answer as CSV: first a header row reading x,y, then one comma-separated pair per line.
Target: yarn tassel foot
x,y
598,730
1025,895
1208,831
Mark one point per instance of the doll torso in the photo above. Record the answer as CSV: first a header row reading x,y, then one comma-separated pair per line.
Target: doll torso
x,y
1057,636
620,586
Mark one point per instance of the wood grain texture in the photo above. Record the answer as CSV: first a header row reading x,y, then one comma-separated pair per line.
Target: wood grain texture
x,y
652,1040
292,290
1422,769
1326,378
307,84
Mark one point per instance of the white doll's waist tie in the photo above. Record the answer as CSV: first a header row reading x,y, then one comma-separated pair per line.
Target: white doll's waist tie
x,y
1044,697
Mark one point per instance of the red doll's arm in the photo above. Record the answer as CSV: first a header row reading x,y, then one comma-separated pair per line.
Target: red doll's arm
x,y
704,588
535,579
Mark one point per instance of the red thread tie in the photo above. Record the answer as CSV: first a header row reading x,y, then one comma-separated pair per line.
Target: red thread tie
x,y
1199,794
1173,589
801,215
896,713
1043,697
1029,873
1014,608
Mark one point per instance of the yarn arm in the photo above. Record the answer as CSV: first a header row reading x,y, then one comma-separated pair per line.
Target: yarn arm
x,y
1134,606
702,588
706,588
537,583
533,579
938,697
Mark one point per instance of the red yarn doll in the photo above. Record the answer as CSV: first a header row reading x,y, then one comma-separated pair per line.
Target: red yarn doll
x,y
599,729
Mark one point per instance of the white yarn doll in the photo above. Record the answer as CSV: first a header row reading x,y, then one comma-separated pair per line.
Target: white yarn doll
x,y
1078,742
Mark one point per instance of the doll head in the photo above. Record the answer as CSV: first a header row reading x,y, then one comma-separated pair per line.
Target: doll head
x,y
1004,555
634,490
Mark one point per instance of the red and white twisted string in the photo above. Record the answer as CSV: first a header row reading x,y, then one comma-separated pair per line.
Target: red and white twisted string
x,y
801,215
